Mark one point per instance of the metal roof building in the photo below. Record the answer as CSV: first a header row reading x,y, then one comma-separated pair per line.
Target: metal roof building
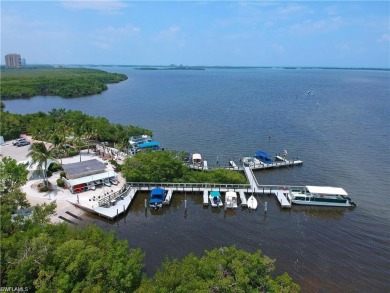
x,y
82,169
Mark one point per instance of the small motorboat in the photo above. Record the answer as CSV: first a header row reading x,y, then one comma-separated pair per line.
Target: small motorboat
x,y
157,197
215,199
231,200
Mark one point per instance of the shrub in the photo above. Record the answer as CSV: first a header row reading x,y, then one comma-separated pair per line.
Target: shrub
x,y
63,174
43,189
60,182
54,167
49,173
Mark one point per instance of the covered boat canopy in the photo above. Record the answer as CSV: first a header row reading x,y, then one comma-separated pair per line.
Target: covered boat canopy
x,y
215,194
149,144
157,193
196,158
139,139
231,194
263,156
326,190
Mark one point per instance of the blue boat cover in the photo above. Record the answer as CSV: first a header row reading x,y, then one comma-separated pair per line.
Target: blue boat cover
x,y
215,193
148,144
263,156
157,195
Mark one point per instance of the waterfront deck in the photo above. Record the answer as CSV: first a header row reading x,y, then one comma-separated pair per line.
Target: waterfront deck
x,y
108,209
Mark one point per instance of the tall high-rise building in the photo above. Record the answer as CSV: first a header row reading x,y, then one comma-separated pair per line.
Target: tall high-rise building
x,y
13,61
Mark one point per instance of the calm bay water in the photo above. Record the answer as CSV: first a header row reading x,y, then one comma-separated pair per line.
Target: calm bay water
x,y
336,121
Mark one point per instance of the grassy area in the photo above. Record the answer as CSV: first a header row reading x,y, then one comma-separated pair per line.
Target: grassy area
x,y
64,82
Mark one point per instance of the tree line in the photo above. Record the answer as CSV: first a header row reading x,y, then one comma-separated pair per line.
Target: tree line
x,y
64,82
61,123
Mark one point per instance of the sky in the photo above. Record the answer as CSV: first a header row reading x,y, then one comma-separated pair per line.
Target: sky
x,y
209,33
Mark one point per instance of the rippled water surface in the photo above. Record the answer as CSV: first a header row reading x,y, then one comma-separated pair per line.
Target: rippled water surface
x,y
336,121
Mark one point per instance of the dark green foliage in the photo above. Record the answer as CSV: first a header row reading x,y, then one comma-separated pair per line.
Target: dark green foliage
x,y
60,182
215,176
63,174
54,167
57,258
12,175
11,125
64,82
168,167
58,124
153,167
43,189
118,167
226,269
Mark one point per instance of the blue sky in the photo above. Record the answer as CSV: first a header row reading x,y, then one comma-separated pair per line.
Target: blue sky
x,y
257,33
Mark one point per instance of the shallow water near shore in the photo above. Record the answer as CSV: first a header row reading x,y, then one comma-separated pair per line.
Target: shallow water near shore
x,y
336,121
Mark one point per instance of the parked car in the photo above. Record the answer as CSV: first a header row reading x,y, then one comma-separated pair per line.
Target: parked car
x,y
22,143
15,142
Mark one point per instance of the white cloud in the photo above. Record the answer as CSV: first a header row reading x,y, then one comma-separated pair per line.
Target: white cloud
x,y
98,5
292,9
317,26
107,37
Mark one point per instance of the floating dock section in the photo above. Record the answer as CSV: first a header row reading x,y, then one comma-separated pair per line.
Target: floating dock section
x,y
256,164
205,197
283,198
168,197
244,203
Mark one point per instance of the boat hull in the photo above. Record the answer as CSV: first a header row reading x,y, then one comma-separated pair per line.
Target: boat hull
x,y
217,204
252,203
321,203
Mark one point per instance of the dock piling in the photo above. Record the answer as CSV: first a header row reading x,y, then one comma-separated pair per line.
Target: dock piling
x,y
146,204
265,207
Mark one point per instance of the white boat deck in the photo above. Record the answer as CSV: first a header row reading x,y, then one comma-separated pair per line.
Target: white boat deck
x,y
244,203
168,198
205,197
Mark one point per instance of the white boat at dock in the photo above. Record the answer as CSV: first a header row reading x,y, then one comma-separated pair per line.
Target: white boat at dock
x,y
321,196
252,203
231,200
197,163
215,199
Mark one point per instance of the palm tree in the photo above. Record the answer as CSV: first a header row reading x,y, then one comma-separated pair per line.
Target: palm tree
x,y
58,138
40,155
